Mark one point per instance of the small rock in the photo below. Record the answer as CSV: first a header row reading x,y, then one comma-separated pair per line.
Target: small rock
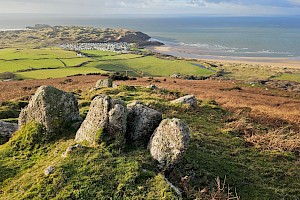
x,y
49,170
141,123
115,85
7,129
152,87
51,107
169,142
70,149
189,100
107,83
176,76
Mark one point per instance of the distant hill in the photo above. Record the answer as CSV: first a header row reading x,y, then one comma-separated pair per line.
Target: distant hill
x,y
42,34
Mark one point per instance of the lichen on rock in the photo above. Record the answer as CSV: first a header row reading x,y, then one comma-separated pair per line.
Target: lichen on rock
x,y
189,100
105,122
169,142
106,83
142,121
51,107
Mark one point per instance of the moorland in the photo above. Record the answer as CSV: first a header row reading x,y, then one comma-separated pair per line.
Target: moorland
x,y
244,133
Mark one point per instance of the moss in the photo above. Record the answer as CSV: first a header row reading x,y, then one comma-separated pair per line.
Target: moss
x,y
28,137
159,189
100,136
83,104
127,88
83,112
10,120
7,112
97,172
11,109
115,143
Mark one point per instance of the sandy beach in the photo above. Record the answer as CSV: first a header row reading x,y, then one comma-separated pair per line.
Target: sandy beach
x,y
187,52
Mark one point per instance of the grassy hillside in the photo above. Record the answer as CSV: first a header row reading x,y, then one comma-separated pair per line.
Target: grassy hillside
x,y
39,36
57,73
18,60
289,77
225,145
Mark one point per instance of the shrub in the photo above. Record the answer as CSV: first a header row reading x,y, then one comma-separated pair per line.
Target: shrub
x,y
7,75
119,77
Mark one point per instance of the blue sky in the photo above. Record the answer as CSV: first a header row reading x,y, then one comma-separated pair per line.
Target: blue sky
x,y
153,7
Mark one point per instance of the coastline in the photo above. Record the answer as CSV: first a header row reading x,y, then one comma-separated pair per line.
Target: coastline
x,y
186,52
13,29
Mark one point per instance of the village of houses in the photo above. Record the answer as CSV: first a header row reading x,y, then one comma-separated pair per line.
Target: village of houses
x,y
118,47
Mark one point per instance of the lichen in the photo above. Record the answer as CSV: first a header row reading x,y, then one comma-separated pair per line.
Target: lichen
x,y
99,136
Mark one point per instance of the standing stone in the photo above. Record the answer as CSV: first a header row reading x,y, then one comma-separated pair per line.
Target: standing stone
x,y
142,121
188,100
7,129
169,142
104,83
105,122
51,107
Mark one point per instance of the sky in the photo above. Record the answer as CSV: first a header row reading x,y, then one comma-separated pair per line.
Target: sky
x,y
153,7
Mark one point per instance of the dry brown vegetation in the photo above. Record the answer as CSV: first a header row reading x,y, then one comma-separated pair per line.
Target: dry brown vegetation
x,y
278,140
275,108
266,139
260,117
15,90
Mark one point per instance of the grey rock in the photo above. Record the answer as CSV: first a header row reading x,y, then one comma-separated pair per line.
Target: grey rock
x,y
105,122
70,149
7,129
115,85
51,107
178,76
49,170
152,87
104,83
169,142
141,123
188,100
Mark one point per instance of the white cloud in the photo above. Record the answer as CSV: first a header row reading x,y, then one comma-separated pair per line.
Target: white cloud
x,y
201,7
297,2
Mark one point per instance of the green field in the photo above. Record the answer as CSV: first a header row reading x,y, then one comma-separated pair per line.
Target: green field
x,y
289,77
11,54
29,60
57,73
75,61
35,64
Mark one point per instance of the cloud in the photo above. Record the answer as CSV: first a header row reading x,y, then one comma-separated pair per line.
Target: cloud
x,y
195,7
296,2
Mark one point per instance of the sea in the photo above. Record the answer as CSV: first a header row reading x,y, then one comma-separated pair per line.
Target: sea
x,y
276,37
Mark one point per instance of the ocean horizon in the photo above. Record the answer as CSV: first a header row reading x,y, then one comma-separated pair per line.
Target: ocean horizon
x,y
276,37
